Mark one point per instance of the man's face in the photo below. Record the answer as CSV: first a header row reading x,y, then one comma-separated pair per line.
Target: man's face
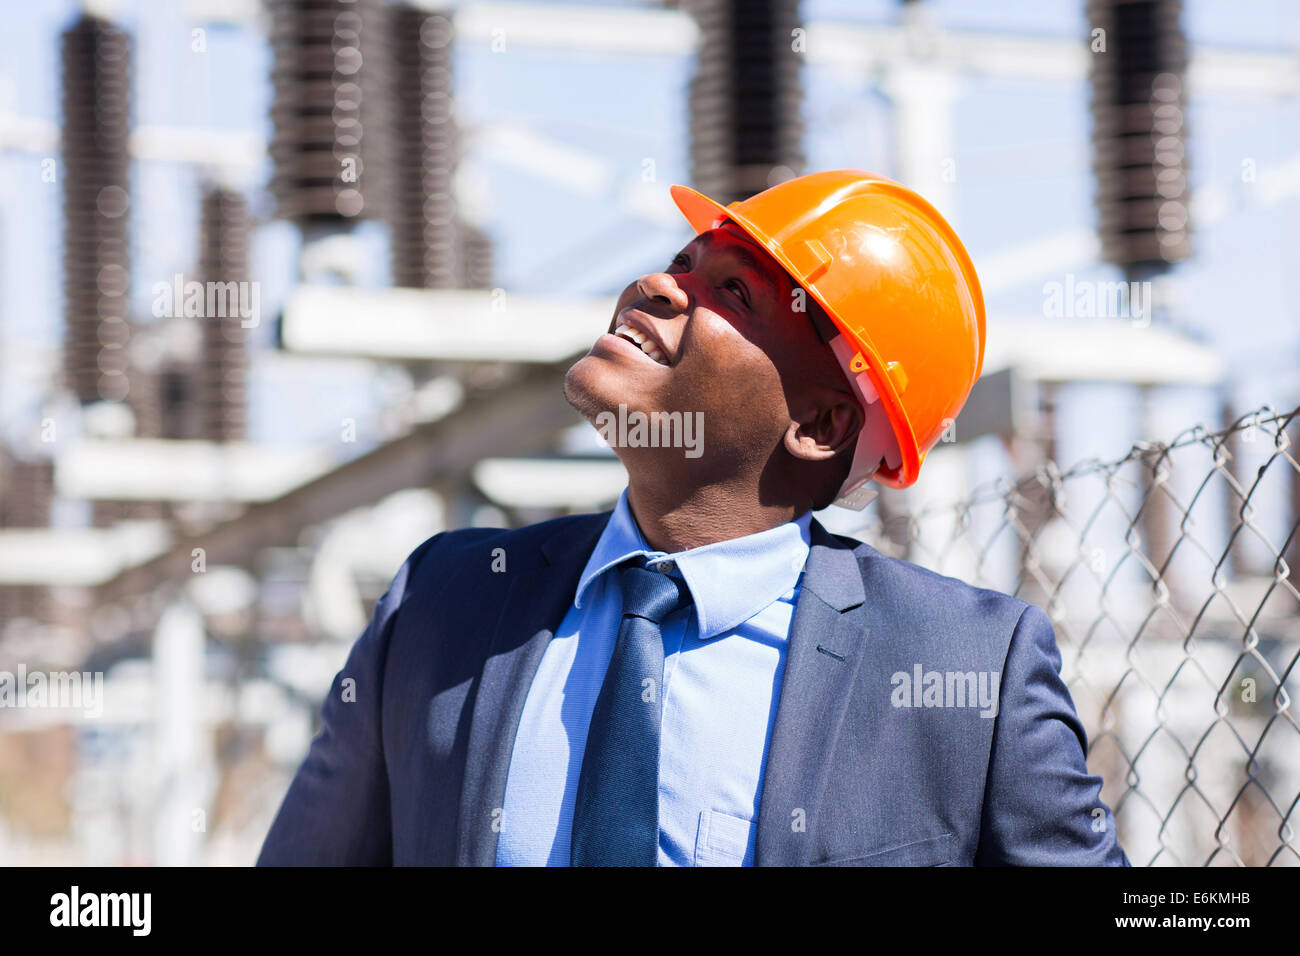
x,y
722,337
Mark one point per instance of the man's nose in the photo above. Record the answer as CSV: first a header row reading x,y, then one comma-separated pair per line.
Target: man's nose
x,y
664,287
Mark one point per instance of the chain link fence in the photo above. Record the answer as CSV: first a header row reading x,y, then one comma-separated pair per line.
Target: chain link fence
x,y
1167,574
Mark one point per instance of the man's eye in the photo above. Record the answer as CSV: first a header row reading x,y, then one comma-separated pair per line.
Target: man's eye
x,y
680,260
739,288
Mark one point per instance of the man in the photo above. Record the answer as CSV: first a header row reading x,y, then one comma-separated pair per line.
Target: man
x,y
705,675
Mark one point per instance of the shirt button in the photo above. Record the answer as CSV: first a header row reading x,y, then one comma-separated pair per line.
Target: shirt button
x,y
666,567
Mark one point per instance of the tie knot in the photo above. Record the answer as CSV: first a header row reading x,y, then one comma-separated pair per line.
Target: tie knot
x,y
652,595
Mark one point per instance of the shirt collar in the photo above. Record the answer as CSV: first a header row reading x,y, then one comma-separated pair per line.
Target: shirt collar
x,y
730,581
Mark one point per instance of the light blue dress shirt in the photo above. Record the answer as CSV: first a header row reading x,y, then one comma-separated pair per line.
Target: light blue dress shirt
x,y
723,661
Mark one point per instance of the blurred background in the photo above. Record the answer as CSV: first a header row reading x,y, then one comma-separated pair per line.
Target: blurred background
x,y
287,287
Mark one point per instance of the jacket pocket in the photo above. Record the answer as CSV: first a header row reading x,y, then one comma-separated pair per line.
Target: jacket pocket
x,y
932,851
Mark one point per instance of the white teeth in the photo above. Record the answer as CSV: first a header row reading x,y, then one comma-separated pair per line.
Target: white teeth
x,y
644,341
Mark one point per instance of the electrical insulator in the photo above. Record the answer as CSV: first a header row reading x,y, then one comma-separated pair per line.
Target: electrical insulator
x,y
746,96
1138,72
96,265
223,263
330,84
426,249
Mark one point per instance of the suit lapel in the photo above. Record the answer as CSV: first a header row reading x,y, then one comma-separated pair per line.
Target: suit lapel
x,y
535,605
828,639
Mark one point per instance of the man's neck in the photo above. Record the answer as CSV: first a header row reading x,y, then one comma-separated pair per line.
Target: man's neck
x,y
701,516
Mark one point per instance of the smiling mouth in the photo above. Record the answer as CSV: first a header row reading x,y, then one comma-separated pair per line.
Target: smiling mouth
x,y
641,341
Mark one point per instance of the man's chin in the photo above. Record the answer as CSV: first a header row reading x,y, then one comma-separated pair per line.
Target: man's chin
x,y
586,388
596,384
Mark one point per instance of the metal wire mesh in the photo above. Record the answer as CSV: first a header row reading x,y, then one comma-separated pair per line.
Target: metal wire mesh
x,y
1167,575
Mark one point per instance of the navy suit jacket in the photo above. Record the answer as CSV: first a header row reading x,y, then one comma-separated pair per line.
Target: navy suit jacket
x,y
410,765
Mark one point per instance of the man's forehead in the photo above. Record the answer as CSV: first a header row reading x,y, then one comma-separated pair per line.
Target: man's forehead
x,y
745,247
731,230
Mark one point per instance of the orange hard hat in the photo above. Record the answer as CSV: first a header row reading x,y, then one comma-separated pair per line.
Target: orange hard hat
x,y
899,287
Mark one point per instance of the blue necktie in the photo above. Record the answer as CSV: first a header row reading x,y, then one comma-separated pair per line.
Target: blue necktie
x,y
616,816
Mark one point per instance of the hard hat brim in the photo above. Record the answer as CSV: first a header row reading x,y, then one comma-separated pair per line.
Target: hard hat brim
x,y
704,214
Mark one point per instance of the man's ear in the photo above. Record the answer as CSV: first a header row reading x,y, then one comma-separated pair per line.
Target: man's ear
x,y
828,427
